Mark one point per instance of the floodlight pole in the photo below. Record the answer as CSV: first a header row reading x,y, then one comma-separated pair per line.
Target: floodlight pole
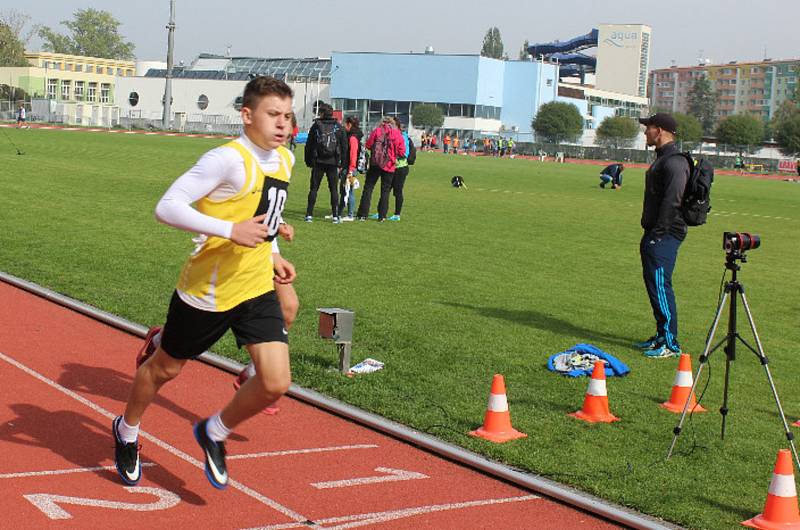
x,y
165,119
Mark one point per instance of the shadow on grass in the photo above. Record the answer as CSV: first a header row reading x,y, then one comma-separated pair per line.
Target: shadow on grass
x,y
545,322
740,512
82,441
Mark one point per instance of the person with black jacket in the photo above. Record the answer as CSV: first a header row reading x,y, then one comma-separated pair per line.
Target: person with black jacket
x,y
612,174
326,155
664,231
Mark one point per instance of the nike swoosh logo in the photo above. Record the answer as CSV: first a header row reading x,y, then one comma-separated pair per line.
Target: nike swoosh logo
x,y
137,471
221,478
284,331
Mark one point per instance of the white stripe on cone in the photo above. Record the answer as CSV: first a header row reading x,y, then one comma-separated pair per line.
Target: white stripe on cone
x,y
498,403
597,387
683,379
782,486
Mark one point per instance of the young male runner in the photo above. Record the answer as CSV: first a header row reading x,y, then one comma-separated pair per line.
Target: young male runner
x,y
239,191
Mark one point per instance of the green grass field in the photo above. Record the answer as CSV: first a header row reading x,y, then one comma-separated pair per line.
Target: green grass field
x,y
532,259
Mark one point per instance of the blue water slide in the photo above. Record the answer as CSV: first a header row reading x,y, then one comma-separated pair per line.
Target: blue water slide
x,y
573,45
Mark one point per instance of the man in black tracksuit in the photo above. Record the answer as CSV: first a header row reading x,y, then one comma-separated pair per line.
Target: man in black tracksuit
x,y
326,155
664,230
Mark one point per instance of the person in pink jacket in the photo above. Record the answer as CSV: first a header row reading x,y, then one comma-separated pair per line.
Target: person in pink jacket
x,y
385,145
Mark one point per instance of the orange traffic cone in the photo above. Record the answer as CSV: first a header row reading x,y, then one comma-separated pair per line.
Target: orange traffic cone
x,y
497,422
681,388
595,405
780,510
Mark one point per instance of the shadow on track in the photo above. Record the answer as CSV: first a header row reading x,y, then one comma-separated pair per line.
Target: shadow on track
x,y
82,441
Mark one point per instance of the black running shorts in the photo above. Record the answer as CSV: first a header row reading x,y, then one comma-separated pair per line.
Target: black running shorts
x,y
189,331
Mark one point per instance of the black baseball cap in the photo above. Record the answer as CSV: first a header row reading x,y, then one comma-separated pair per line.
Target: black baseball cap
x,y
662,120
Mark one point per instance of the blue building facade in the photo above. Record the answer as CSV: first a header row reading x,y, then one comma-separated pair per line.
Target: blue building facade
x,y
478,96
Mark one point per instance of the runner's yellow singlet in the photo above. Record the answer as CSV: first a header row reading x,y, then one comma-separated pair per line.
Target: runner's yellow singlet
x,y
222,273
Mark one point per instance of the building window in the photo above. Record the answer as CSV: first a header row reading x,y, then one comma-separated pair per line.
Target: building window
x,y
79,89
89,68
202,102
52,87
65,89
79,68
99,69
133,98
105,91
91,93
119,72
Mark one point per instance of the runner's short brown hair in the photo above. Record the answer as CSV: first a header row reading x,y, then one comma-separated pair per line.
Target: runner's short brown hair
x,y
262,86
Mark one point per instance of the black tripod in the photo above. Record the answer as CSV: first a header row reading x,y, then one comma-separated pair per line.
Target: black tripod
x,y
732,289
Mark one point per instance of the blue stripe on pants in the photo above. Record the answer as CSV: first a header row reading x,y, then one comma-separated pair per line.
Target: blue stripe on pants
x,y
658,261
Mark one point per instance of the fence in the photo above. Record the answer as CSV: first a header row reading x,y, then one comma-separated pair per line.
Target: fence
x,y
718,157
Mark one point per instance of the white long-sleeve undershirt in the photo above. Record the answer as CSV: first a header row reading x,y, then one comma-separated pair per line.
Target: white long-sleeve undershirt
x,y
218,174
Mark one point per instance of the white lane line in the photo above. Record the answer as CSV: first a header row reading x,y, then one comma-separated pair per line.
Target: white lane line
x,y
390,475
300,451
50,504
352,521
65,471
164,445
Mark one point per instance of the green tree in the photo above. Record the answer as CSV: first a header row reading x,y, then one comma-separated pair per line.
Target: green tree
x,y
492,44
11,48
523,52
93,33
787,134
703,103
690,130
426,116
617,131
742,131
558,122
786,110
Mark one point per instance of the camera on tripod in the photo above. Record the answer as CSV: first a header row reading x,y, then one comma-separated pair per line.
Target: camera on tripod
x,y
735,244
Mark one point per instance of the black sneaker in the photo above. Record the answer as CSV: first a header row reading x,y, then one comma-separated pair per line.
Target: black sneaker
x,y
216,473
126,457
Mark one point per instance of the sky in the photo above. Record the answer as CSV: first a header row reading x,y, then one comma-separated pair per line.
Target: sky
x,y
721,30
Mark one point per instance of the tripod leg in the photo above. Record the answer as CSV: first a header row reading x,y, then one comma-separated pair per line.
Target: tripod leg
x,y
765,364
703,358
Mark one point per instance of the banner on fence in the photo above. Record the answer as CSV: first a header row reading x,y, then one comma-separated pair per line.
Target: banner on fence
x,y
787,164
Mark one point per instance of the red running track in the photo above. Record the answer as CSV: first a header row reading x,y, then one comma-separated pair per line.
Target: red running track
x,y
65,376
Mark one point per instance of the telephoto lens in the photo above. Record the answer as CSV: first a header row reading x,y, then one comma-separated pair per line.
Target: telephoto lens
x,y
738,242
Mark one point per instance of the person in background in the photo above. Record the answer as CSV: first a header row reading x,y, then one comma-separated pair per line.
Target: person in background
x,y
326,155
433,142
456,144
21,117
446,143
295,132
350,181
612,174
400,173
385,145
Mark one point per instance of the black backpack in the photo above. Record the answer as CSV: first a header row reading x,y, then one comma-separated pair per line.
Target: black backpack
x,y
412,153
327,141
697,196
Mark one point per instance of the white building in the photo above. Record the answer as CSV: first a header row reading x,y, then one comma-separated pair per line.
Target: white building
x,y
623,58
207,95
